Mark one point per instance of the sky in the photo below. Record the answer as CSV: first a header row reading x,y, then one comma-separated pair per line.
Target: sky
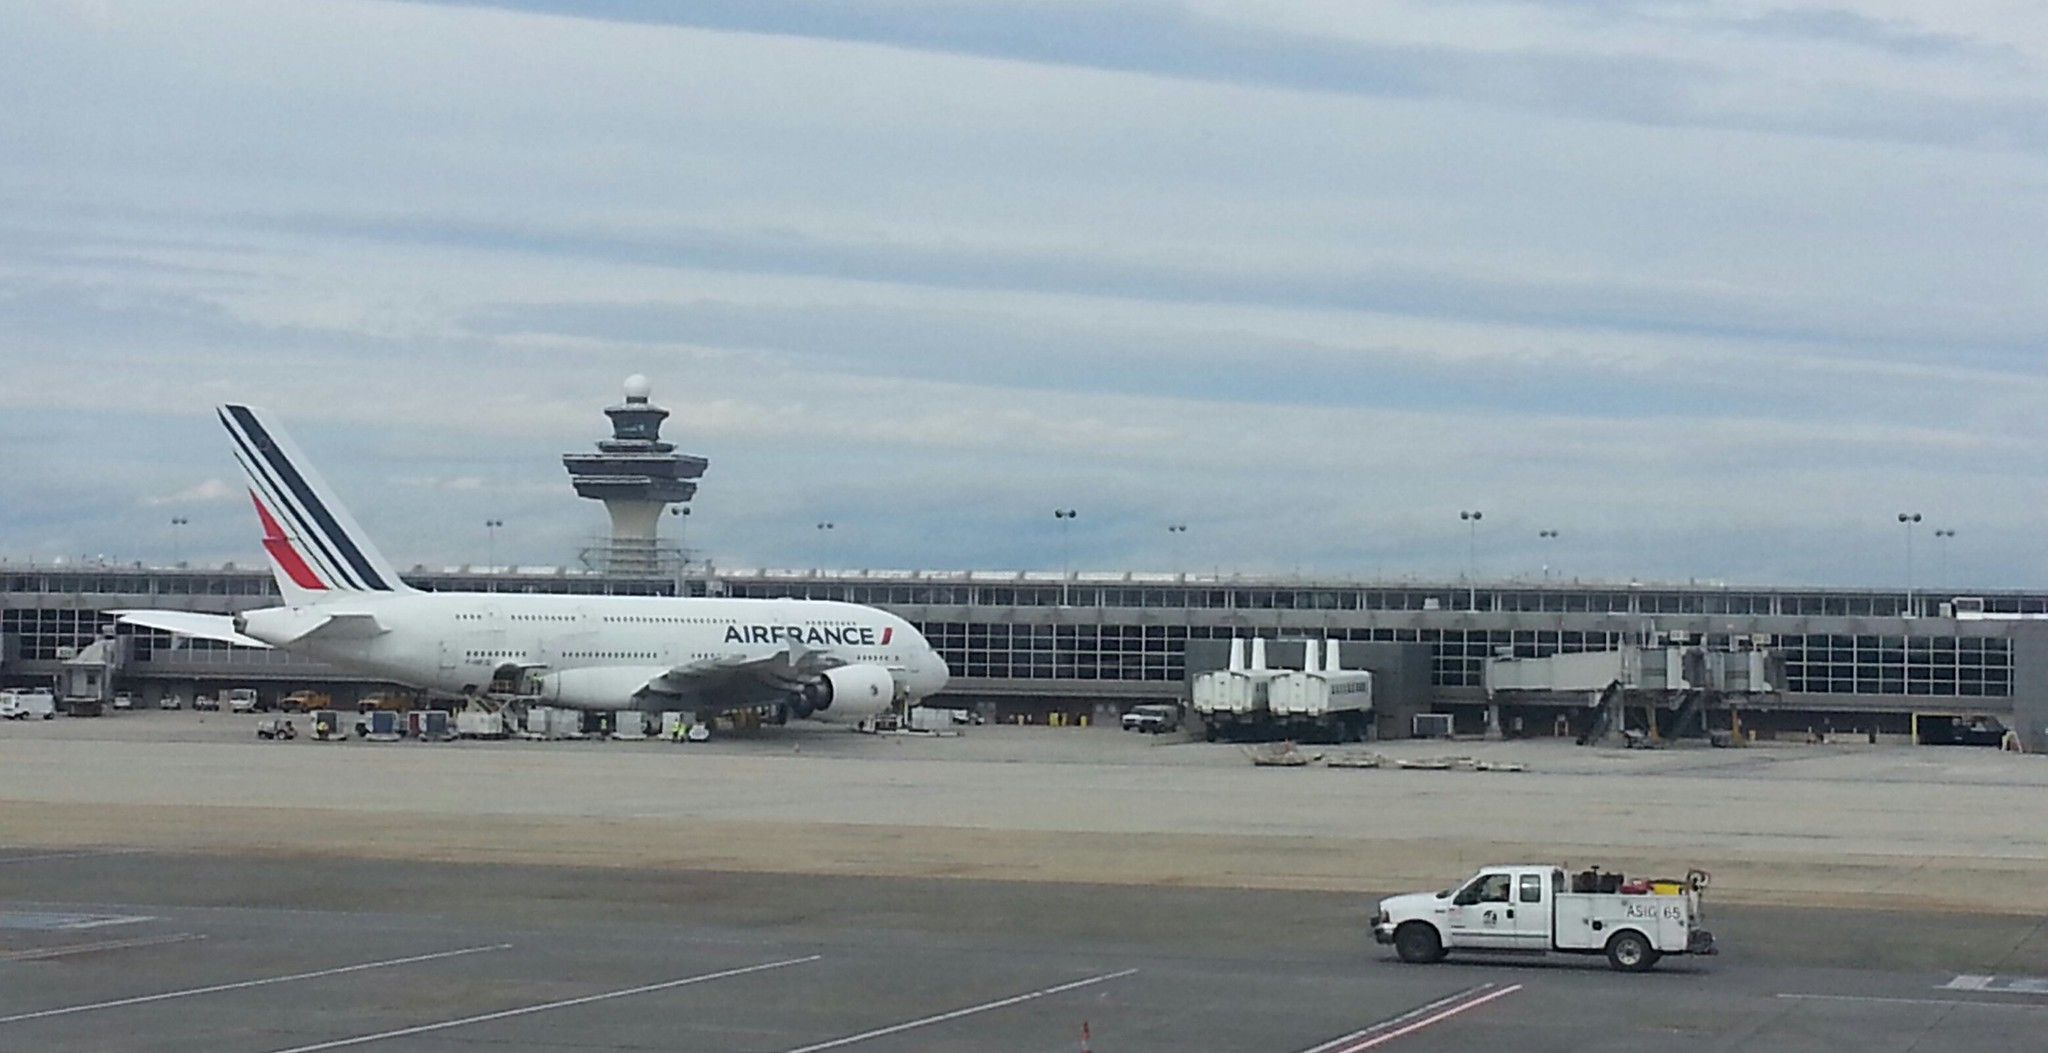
x,y
1713,290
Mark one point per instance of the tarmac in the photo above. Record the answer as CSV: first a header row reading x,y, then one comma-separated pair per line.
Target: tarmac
x,y
168,883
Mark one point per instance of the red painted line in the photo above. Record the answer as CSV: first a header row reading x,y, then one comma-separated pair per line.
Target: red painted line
x,y
1437,1018
1396,1021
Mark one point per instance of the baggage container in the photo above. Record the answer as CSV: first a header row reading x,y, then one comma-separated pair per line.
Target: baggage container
x,y
383,725
327,726
435,725
564,723
477,724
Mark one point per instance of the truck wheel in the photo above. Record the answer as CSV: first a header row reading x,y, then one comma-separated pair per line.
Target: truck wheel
x,y
1630,952
1208,733
1418,942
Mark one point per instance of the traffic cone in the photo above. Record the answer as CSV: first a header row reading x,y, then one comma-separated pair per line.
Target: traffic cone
x,y
1085,1038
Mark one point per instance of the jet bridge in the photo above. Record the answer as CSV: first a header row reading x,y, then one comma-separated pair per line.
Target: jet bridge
x,y
1646,692
87,679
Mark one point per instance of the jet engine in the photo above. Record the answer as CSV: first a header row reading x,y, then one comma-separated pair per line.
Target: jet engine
x,y
597,687
850,691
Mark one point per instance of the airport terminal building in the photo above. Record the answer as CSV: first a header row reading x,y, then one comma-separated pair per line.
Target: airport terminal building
x,y
1027,644
1031,644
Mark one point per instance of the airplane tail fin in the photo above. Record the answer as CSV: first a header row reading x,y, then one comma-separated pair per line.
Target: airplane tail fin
x,y
316,549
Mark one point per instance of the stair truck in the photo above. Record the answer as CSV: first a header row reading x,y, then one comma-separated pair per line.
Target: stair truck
x,y
1323,701
1538,909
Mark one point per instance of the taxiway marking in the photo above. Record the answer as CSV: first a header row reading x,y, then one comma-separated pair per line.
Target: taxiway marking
x,y
192,991
39,954
546,1006
1414,1020
1879,1000
2029,985
958,1013
1396,1021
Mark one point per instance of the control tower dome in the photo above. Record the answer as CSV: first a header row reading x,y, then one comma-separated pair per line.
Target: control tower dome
x,y
636,475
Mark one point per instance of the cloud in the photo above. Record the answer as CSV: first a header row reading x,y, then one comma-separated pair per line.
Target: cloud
x,y
1712,291
206,492
1176,40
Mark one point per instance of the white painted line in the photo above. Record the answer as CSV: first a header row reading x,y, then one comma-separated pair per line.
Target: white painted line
x,y
102,922
1438,1017
57,921
87,853
1397,1021
1913,1001
191,991
958,1013
545,1006
39,954
1966,982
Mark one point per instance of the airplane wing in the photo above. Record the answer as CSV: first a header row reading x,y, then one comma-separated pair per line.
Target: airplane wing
x,y
780,672
218,627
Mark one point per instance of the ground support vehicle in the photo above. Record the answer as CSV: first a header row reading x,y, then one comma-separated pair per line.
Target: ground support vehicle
x,y
242,700
305,702
205,703
27,705
1153,719
124,700
328,726
170,702
1537,909
276,728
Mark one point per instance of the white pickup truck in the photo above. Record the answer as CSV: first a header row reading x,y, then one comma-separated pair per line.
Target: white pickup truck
x,y
1538,909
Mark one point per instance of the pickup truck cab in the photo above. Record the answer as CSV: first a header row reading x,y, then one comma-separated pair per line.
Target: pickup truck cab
x,y
1152,719
242,700
1536,909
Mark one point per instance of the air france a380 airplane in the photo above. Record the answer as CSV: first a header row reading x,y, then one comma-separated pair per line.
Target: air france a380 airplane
x,y
346,606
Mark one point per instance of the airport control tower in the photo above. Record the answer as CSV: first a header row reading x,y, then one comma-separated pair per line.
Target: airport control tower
x,y
636,475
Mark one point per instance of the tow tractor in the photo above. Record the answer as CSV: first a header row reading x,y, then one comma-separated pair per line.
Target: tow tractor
x,y
1537,909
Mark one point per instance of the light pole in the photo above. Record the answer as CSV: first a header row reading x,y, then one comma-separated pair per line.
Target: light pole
x,y
1471,520
1547,536
1909,519
491,553
1174,532
178,523
824,533
682,552
1941,538
1066,518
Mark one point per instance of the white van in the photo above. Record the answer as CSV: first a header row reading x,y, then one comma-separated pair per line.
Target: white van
x,y
21,704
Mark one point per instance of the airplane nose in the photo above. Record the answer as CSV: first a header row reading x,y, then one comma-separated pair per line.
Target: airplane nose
x,y
939,674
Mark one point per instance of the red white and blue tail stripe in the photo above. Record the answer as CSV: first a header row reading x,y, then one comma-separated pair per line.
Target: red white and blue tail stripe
x,y
315,547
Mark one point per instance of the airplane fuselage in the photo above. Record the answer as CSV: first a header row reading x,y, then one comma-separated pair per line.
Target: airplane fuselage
x,y
458,643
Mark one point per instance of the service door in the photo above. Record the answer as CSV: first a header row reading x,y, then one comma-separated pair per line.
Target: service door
x,y
1483,914
1529,916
